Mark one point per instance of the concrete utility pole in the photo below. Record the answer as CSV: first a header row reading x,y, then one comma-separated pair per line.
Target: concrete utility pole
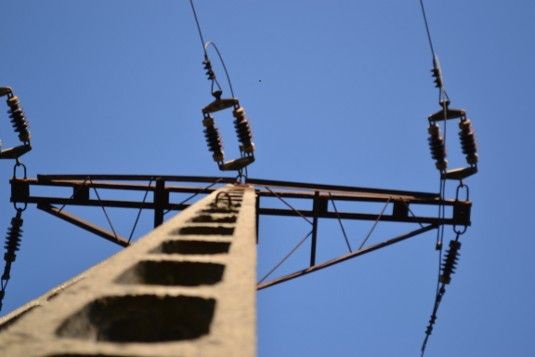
x,y
186,289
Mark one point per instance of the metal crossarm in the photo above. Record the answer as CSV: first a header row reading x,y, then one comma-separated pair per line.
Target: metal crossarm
x,y
314,196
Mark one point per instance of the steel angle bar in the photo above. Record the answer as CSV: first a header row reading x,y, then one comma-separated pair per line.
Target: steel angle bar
x,y
77,221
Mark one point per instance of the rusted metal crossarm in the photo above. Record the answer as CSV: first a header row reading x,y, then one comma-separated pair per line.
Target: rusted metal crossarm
x,y
303,194
113,185
99,203
261,210
348,256
401,200
226,180
364,216
355,194
113,177
334,188
77,221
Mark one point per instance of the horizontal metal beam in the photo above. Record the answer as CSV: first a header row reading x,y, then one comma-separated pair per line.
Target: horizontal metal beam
x,y
230,180
358,216
102,203
343,258
306,194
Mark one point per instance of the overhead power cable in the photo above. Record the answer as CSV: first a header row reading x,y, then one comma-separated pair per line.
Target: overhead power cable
x,y
437,144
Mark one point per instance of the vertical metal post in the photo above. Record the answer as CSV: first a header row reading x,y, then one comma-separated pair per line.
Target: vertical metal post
x,y
315,212
161,198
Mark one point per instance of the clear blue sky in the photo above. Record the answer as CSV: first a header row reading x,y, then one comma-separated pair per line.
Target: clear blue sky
x,y
337,92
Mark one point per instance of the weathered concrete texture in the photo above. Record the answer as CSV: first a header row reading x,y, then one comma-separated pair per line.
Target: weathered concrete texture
x,y
186,289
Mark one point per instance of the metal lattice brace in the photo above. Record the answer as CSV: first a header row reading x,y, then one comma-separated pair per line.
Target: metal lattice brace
x,y
187,288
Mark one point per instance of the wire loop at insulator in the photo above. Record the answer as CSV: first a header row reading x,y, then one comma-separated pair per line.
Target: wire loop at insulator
x,y
437,147
468,141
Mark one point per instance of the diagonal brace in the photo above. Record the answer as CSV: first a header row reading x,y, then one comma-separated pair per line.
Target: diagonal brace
x,y
77,221
348,256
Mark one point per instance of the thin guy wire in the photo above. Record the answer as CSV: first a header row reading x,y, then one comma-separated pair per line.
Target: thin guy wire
x,y
374,224
340,222
139,212
285,258
288,205
104,210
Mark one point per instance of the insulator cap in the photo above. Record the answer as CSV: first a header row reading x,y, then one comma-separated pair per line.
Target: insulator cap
x,y
208,121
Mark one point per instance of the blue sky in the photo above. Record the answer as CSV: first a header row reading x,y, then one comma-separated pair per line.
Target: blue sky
x,y
337,92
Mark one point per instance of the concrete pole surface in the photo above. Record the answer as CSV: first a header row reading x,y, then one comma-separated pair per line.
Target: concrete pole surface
x,y
188,288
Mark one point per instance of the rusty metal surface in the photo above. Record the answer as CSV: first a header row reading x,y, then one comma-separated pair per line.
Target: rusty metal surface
x,y
315,196
82,190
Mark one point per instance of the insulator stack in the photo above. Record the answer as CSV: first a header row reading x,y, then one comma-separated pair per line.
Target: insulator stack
x,y
18,120
429,328
213,139
208,69
450,262
438,147
468,141
437,75
12,243
13,238
243,130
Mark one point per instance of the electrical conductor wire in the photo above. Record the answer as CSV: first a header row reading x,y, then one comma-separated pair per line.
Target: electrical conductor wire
x,y
201,37
430,40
